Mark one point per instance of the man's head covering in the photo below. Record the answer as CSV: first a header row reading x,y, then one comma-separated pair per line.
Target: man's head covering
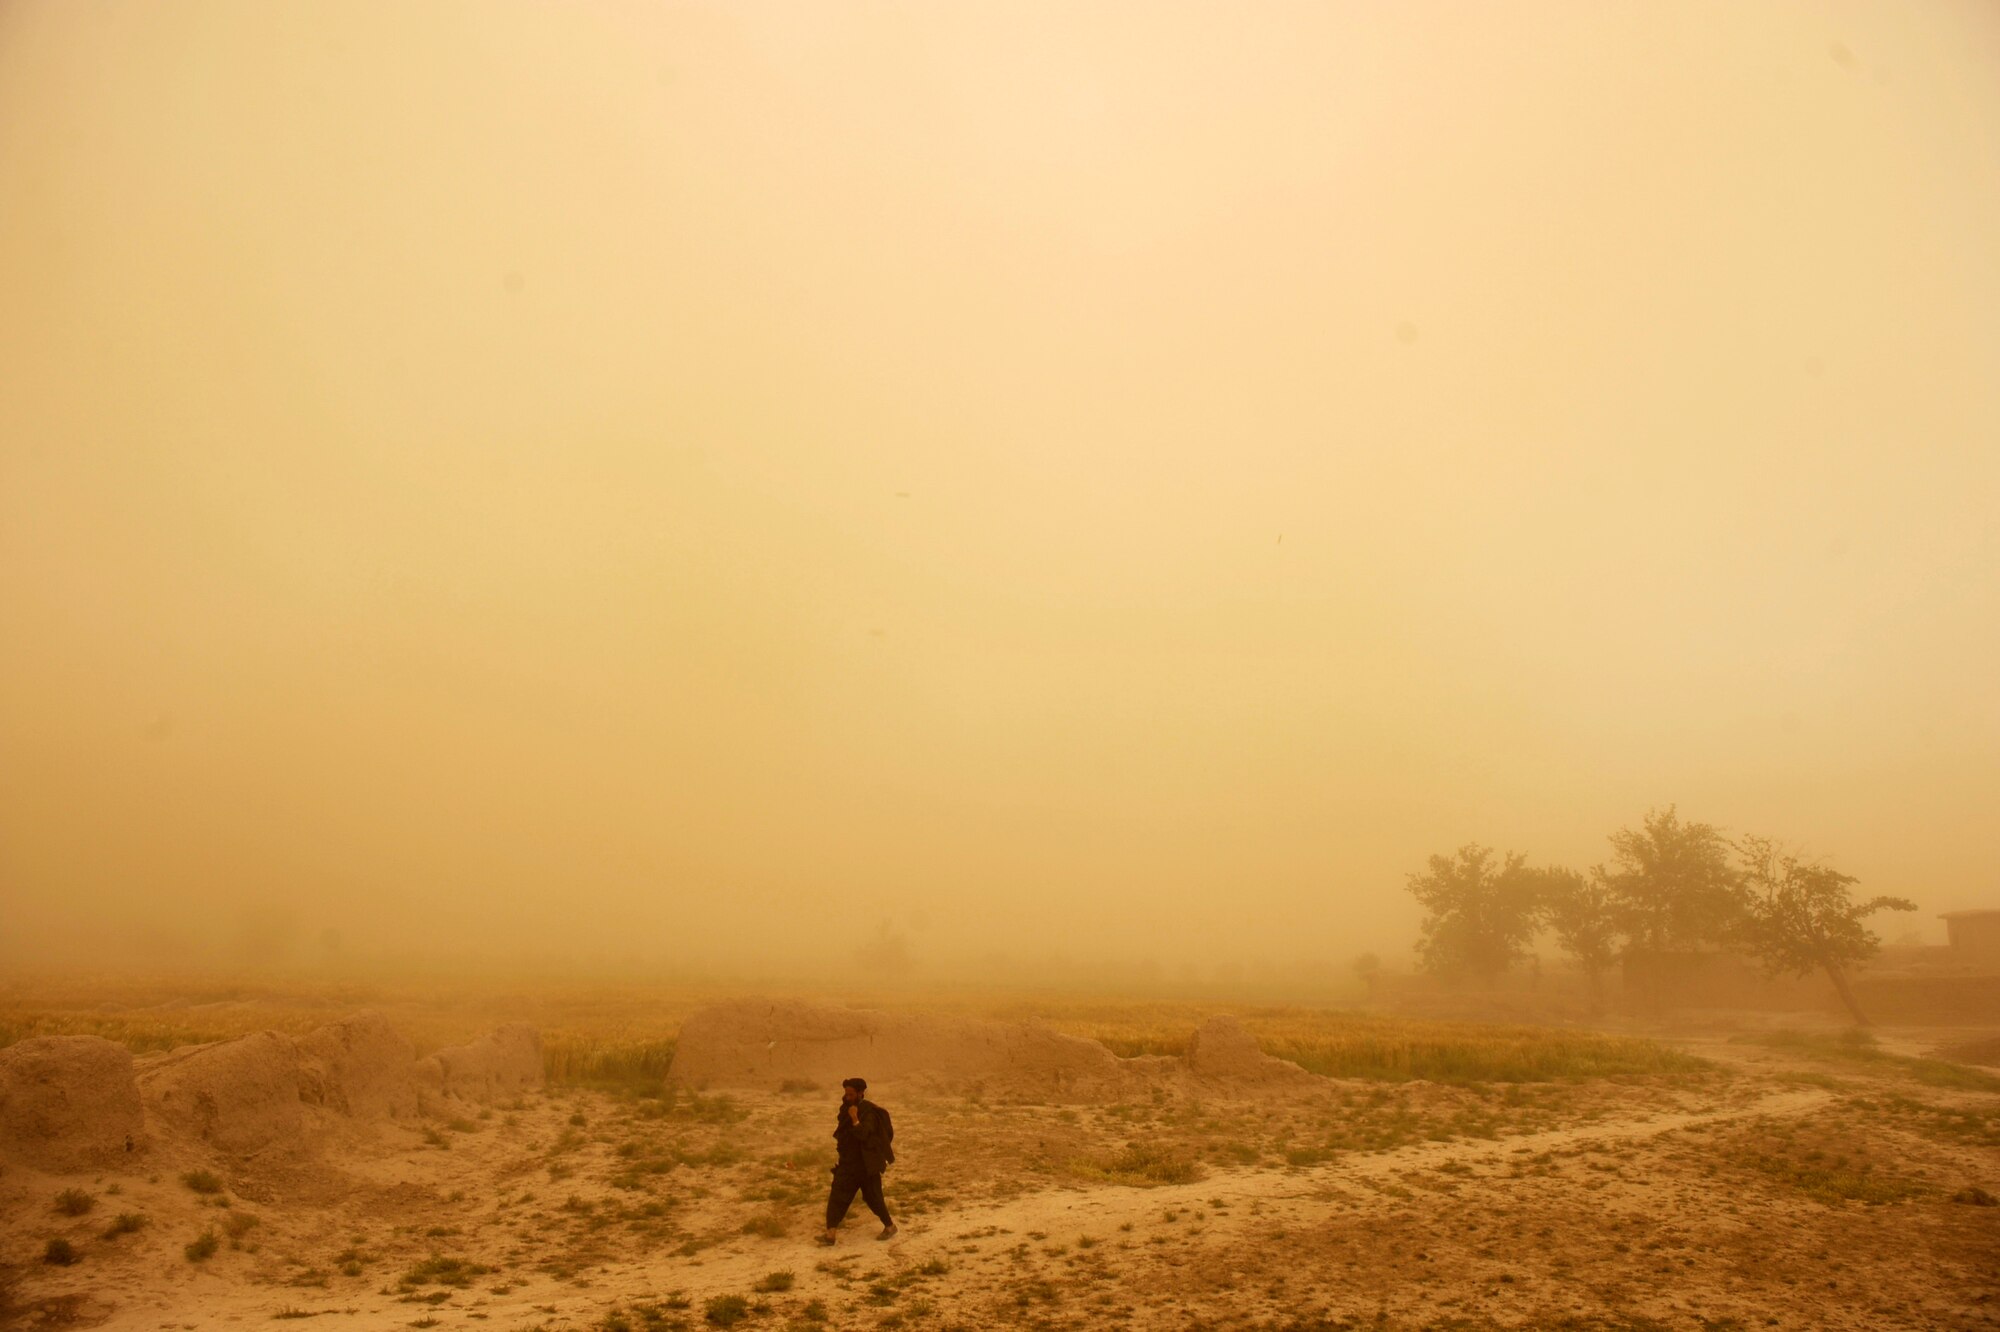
x,y
859,1084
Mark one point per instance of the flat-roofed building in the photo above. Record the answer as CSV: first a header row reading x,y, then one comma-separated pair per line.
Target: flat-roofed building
x,y
1974,935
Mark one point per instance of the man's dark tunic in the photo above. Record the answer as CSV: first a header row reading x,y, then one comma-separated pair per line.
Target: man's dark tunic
x,y
864,1154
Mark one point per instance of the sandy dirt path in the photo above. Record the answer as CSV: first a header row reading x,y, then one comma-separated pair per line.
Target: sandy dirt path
x,y
986,1245
1261,1196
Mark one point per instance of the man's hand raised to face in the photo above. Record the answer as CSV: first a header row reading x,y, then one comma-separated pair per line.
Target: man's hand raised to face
x,y
854,1114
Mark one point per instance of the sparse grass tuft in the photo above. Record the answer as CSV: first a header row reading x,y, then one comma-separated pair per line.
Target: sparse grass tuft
x,y
203,1247
726,1310
59,1252
772,1283
125,1223
74,1202
443,1271
203,1181
1142,1165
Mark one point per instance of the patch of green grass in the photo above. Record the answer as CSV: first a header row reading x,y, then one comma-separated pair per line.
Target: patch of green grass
x,y
1978,1124
1834,1178
1464,1052
1941,1073
1341,1044
635,1066
74,1202
1854,1039
1857,1046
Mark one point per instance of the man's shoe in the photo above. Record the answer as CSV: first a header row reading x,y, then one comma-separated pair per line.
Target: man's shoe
x,y
888,1231
826,1237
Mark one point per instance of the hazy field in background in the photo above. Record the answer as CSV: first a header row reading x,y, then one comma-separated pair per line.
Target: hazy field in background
x,y
623,1035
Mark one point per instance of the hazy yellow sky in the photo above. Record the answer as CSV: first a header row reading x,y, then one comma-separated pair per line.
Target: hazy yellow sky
x,y
698,482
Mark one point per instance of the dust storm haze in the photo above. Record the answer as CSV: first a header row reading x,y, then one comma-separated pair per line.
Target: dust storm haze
x,y
719,485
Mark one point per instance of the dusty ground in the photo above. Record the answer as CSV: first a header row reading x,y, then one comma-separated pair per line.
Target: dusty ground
x,y
1788,1187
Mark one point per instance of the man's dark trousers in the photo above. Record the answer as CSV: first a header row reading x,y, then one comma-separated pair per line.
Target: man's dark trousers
x,y
847,1179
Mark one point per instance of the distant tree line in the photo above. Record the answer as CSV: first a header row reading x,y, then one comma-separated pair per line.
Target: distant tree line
x,y
1670,886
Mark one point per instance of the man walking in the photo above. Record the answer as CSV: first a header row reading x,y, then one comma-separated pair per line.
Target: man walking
x,y
862,1133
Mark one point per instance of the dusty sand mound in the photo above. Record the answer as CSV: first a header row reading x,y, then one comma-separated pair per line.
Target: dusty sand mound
x,y
237,1095
68,1103
79,1102
766,1043
503,1062
360,1066
249,1093
1223,1050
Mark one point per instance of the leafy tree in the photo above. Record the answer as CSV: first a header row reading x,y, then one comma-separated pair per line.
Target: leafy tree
x,y
1802,917
1580,911
1482,914
1672,885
